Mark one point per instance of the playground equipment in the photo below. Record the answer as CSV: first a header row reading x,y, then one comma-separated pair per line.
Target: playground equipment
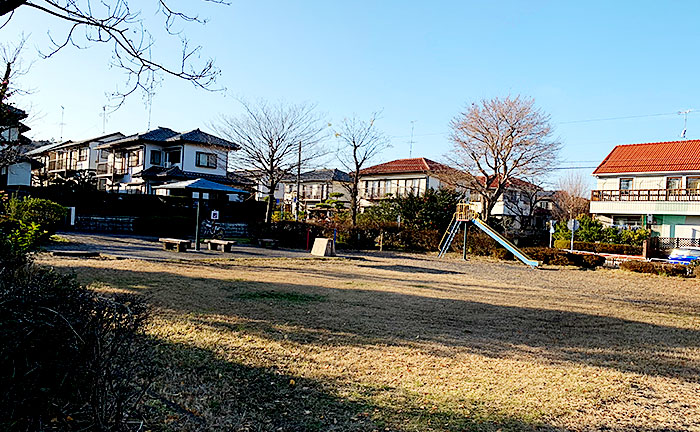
x,y
465,214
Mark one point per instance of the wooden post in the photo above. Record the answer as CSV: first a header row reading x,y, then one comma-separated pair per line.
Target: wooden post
x,y
196,230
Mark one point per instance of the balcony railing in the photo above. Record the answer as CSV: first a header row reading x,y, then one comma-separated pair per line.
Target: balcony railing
x,y
646,195
379,193
107,169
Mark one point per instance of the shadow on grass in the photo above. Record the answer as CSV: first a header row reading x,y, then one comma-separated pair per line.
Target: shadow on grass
x,y
366,317
195,389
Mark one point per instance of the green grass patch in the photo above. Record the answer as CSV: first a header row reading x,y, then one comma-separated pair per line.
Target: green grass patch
x,y
285,296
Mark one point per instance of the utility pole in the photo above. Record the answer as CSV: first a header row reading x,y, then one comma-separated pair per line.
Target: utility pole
x,y
296,203
63,111
410,144
104,118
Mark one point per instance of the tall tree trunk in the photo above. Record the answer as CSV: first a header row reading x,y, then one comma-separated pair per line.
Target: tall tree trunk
x,y
354,195
270,205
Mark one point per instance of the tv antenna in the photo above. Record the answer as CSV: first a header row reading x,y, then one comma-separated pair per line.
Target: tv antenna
x,y
63,112
685,121
104,118
410,143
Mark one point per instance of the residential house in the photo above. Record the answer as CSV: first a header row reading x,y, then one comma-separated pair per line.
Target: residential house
x,y
314,188
257,181
655,185
136,163
15,168
67,159
398,178
518,206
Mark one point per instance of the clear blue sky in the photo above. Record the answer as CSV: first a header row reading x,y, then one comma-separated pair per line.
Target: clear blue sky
x,y
421,61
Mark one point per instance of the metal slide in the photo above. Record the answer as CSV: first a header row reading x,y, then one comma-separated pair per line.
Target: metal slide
x,y
505,243
454,226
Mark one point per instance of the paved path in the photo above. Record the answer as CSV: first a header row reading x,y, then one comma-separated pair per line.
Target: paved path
x,y
149,248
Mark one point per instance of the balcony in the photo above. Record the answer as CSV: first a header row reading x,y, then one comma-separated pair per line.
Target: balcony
x,y
106,169
646,195
381,193
682,202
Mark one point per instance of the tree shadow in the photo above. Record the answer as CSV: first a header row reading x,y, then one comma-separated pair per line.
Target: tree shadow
x,y
362,316
199,389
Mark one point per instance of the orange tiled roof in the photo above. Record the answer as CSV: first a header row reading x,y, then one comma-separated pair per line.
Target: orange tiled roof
x,y
406,166
652,157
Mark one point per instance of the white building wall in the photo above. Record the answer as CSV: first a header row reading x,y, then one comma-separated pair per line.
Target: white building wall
x,y
19,174
189,160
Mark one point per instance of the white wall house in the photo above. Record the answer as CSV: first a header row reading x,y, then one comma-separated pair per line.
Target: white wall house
x,y
399,178
17,173
315,187
654,185
63,160
136,163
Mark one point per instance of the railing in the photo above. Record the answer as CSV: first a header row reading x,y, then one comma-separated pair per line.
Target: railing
x,y
102,168
646,195
380,192
56,165
665,244
105,168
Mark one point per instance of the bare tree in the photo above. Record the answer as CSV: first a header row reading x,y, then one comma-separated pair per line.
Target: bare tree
x,y
499,140
360,142
571,200
521,199
121,24
10,117
270,137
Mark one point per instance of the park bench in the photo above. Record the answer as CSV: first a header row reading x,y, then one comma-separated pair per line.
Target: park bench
x,y
268,243
223,245
178,245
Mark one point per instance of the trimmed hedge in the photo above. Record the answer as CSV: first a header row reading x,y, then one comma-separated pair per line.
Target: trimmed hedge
x,y
562,258
610,248
656,268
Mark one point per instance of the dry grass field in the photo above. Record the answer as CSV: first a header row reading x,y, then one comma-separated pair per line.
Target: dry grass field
x,y
410,343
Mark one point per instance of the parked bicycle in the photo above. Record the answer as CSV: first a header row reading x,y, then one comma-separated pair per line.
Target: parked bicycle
x,y
212,229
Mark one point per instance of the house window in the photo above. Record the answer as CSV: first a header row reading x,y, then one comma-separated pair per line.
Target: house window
x,y
156,157
104,154
626,184
207,160
83,154
134,158
173,157
692,183
673,183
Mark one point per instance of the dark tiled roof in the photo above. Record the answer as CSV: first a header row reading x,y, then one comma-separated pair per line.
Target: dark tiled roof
x,y
322,175
652,157
412,165
197,136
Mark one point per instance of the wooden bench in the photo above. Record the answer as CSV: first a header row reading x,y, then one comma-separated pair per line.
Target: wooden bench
x,y
178,245
223,245
268,243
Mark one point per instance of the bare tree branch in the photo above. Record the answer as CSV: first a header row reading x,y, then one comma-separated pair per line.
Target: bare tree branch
x,y
117,24
360,142
269,136
498,140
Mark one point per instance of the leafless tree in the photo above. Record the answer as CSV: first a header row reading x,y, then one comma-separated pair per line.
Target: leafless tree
x,y
360,142
501,139
10,117
121,24
522,198
571,200
270,137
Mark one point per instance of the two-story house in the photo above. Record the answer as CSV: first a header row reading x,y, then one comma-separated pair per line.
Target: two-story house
x,y
398,178
655,185
136,163
315,187
63,160
15,168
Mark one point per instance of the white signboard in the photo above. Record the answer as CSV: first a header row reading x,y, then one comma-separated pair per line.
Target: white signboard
x,y
573,224
214,214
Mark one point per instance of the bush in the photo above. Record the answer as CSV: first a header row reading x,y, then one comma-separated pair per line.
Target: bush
x,y
68,357
17,239
655,268
563,258
620,249
46,214
165,225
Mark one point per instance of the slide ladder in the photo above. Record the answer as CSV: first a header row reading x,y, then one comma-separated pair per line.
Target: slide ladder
x,y
453,229
449,235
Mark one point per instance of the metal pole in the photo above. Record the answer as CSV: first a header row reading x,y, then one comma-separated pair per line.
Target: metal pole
x,y
572,240
296,204
464,246
196,229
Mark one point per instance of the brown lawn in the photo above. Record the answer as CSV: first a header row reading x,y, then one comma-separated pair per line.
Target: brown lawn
x,y
411,343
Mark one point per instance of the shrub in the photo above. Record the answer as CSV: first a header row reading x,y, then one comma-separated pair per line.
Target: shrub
x,y
563,258
68,357
592,261
502,254
47,214
655,268
17,239
620,249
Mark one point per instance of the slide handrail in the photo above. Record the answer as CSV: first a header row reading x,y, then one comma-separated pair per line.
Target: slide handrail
x,y
449,228
505,243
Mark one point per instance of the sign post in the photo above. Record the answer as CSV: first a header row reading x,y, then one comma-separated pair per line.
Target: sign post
x,y
573,225
552,223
